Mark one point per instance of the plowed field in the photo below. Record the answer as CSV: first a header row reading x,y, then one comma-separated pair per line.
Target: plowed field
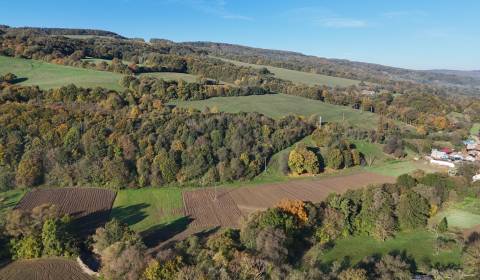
x,y
89,207
231,204
43,269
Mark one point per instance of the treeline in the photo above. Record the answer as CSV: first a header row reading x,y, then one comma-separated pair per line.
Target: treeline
x,y
168,90
74,136
334,67
425,106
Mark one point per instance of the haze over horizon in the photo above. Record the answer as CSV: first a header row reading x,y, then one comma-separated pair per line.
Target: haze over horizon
x,y
428,35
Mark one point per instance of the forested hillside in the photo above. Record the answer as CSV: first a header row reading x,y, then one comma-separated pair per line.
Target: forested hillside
x,y
334,67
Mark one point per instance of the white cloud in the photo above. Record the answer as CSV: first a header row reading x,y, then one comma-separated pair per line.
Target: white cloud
x,y
318,16
214,7
338,22
408,13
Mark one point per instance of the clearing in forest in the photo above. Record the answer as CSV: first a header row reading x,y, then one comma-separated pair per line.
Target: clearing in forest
x,y
280,105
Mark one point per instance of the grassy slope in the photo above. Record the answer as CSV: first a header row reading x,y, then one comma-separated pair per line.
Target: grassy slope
x,y
417,244
146,208
47,75
300,77
279,105
9,199
475,129
462,215
172,76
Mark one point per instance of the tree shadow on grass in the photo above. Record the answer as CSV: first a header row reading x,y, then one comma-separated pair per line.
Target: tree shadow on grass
x,y
84,225
19,80
163,232
130,215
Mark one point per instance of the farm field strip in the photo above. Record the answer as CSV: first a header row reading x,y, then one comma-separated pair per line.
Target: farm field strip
x,y
232,204
43,269
89,206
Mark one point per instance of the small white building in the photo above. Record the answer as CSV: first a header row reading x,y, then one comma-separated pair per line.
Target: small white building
x,y
436,154
442,163
476,178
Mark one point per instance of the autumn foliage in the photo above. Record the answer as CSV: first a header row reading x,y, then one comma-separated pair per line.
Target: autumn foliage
x,y
295,207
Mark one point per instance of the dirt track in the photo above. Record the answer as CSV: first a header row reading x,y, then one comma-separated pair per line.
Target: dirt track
x,y
232,204
43,269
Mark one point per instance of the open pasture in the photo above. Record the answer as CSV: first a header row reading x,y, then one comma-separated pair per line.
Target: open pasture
x,y
48,75
89,207
300,77
280,105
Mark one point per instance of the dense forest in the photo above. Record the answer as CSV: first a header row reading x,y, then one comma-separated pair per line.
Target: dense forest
x,y
73,136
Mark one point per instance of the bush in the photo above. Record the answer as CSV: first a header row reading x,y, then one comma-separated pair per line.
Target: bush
x,y
406,181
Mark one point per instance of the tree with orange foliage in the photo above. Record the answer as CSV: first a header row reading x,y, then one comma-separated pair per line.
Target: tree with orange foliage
x,y
295,207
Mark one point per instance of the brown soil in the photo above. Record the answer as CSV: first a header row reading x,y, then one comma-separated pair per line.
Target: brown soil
x,y
89,207
231,204
43,269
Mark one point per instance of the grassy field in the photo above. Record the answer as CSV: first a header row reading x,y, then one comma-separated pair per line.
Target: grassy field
x,y
300,77
146,208
168,76
461,215
9,199
47,75
418,244
279,105
475,129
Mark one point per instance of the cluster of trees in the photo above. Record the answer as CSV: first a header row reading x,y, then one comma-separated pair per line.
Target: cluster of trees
x,y
168,90
74,136
41,232
287,241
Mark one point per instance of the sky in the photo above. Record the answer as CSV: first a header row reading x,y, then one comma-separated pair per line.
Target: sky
x,y
415,34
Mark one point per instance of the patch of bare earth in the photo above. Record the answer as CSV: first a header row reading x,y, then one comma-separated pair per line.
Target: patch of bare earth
x,y
44,269
231,204
89,207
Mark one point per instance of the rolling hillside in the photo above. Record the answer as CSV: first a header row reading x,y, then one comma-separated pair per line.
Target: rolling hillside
x,y
300,77
279,105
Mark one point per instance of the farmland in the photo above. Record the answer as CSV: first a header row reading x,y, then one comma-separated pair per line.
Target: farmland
x,y
89,207
44,269
48,75
9,199
279,105
231,204
300,77
147,208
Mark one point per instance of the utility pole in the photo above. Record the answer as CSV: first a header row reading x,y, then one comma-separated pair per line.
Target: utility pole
x,y
320,122
215,193
265,165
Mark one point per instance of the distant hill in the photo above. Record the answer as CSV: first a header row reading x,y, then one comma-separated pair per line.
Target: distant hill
x,y
474,73
334,67
68,31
